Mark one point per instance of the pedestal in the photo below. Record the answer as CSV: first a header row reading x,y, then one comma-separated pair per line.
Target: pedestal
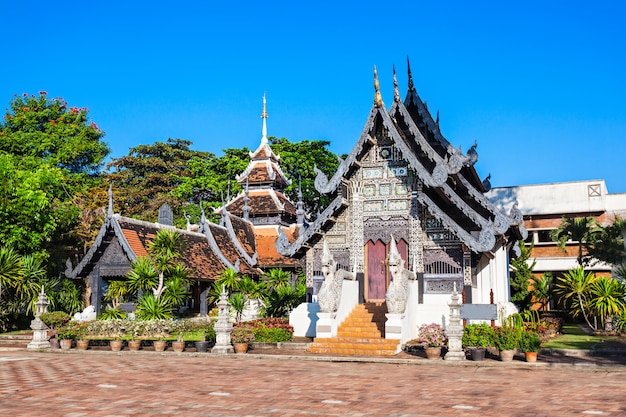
x,y
324,326
393,326
40,335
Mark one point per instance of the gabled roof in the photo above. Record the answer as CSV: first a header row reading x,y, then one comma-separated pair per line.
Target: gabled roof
x,y
269,257
205,257
262,203
458,203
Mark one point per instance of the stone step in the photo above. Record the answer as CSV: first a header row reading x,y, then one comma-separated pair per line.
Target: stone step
x,y
15,341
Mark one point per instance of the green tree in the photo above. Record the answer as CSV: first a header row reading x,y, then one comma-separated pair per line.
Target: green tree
x,y
541,290
146,177
49,154
162,273
46,130
297,160
607,299
574,289
579,230
521,277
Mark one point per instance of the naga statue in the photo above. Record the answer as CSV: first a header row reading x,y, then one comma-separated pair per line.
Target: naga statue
x,y
398,291
329,294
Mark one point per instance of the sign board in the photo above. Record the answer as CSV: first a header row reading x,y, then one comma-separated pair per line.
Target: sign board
x,y
479,311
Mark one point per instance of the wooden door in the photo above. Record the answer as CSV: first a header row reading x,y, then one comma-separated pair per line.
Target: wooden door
x,y
376,280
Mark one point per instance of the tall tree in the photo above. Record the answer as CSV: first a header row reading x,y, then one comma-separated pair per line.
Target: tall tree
x,y
578,230
48,131
521,277
144,179
49,153
595,242
297,160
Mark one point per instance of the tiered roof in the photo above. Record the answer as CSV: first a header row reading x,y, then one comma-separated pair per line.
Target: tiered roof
x,y
450,187
207,252
263,181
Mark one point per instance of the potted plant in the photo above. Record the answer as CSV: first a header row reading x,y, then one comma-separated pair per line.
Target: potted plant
x,y
54,320
179,344
134,329
432,337
506,340
241,336
477,337
529,344
67,333
82,331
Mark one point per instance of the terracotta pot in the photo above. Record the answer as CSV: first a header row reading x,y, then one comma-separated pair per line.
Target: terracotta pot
x,y
531,356
478,354
54,343
159,345
82,344
240,347
433,352
66,344
116,345
134,344
507,355
178,346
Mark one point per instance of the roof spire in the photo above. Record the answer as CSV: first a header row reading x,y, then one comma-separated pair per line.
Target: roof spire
x,y
396,92
264,117
378,99
246,199
411,86
300,204
110,192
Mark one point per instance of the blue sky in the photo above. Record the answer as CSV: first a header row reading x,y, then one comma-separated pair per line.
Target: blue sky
x,y
540,85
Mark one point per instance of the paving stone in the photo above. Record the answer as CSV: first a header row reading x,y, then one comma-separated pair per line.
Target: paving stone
x,y
99,384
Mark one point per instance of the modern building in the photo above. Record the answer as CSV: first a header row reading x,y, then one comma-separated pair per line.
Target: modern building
x,y
545,205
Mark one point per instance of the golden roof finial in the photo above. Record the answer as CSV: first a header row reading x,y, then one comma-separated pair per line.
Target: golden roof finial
x,y
378,99
264,114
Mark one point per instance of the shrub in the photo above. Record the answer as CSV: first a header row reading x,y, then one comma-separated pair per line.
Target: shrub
x,y
242,333
73,330
478,335
506,338
55,319
112,313
529,341
431,335
271,329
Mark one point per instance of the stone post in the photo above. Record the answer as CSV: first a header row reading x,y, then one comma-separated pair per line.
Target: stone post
x,y
454,330
40,330
223,327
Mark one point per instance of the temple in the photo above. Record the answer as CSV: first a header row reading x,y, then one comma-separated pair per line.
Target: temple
x,y
407,224
404,179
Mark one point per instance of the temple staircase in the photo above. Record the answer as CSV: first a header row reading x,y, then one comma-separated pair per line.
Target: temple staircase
x,y
361,333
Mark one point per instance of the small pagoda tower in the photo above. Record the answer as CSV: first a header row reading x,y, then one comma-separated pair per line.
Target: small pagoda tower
x,y
262,201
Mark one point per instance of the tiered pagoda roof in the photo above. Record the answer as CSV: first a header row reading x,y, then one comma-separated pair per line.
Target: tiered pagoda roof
x,y
450,187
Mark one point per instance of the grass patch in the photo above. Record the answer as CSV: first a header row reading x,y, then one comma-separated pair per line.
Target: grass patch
x,y
573,337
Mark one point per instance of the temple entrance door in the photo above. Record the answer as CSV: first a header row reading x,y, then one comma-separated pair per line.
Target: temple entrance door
x,y
377,272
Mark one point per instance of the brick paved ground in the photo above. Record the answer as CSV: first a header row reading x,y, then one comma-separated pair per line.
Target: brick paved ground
x,y
96,383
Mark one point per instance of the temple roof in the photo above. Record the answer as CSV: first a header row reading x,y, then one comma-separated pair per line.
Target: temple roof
x,y
264,169
205,254
450,189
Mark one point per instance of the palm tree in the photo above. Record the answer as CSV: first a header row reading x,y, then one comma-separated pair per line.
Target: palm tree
x,y
161,272
575,287
581,230
541,290
10,268
608,299
229,278
276,277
